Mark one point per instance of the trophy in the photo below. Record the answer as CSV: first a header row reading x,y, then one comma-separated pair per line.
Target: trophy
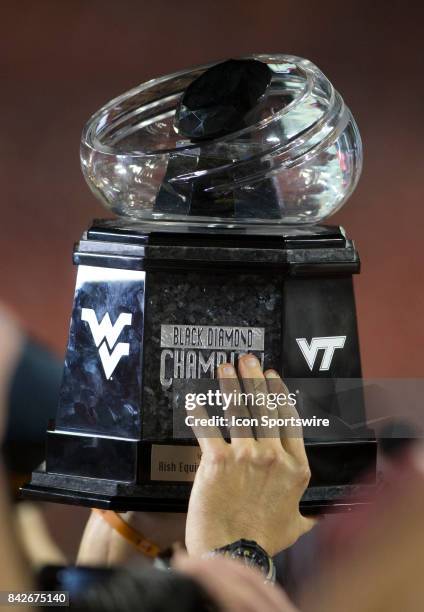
x,y
220,178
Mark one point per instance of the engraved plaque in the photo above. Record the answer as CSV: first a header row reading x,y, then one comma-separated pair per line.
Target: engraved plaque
x,y
195,351
174,463
212,337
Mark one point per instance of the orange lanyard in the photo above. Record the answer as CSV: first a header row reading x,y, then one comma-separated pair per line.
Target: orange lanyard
x,y
129,533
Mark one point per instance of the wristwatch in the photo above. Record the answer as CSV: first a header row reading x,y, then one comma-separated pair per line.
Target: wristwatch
x,y
251,554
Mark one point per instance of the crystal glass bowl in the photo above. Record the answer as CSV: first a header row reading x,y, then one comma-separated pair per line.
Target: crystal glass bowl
x,y
296,164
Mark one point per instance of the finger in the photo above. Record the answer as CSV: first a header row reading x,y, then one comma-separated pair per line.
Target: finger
x,y
217,580
234,586
255,386
292,434
273,596
230,389
208,436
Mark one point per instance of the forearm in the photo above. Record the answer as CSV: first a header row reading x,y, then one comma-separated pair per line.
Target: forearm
x,y
101,544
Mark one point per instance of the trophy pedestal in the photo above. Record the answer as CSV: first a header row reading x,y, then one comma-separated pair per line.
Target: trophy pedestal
x,y
154,308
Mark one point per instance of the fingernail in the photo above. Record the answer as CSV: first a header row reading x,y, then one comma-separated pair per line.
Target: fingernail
x,y
271,374
251,362
228,370
225,369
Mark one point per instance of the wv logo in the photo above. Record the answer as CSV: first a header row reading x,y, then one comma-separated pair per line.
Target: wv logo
x,y
104,332
328,343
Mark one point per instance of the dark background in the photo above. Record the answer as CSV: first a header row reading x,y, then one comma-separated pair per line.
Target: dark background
x,y
61,60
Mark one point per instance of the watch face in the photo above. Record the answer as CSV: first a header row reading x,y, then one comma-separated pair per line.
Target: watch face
x,y
252,555
260,560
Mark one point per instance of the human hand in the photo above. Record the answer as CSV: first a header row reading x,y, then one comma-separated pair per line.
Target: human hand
x,y
249,488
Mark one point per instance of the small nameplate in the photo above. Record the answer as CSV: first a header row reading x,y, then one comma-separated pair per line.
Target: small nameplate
x,y
212,337
174,463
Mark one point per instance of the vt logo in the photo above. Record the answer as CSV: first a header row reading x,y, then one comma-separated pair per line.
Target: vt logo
x,y
105,332
328,343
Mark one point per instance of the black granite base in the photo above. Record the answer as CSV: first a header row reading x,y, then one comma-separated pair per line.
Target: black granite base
x,y
139,296
191,298
330,489
328,500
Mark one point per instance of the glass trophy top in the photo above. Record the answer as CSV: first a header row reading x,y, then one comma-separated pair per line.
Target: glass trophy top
x,y
265,140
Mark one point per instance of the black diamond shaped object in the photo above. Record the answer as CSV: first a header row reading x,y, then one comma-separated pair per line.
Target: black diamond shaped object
x,y
218,102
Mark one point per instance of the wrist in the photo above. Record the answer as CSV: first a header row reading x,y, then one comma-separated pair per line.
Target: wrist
x,y
164,528
251,554
218,539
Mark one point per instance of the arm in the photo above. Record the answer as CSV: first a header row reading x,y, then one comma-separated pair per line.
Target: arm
x,y
101,544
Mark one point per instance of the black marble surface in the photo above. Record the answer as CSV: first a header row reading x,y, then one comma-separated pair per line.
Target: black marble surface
x,y
294,251
89,402
193,298
294,285
92,457
343,462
